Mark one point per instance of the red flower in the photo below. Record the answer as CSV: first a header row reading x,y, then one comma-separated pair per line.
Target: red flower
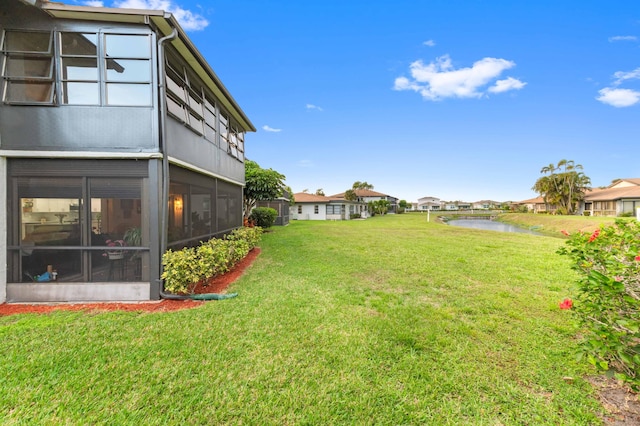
x,y
565,232
638,258
566,304
594,235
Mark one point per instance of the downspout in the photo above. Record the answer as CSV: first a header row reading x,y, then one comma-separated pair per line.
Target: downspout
x,y
164,198
164,220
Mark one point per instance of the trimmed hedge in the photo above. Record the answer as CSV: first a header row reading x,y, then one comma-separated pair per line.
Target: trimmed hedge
x,y
264,217
183,269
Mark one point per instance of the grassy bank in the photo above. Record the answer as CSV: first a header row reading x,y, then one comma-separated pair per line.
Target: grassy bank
x,y
391,320
553,224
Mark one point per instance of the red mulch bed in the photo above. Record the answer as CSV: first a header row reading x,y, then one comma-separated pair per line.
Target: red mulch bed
x,y
214,285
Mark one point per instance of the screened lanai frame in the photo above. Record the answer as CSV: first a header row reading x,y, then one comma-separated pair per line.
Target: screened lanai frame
x,y
77,217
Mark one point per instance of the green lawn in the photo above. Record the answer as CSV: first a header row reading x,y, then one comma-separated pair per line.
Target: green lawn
x,y
553,224
391,320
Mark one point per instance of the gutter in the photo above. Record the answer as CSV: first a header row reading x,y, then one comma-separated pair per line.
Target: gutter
x,y
164,198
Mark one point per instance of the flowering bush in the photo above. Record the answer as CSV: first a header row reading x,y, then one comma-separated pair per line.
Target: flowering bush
x,y
566,304
608,303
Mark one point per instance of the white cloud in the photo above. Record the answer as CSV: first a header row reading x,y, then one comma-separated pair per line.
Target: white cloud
x,y
438,80
429,43
505,85
190,21
270,129
619,98
622,76
311,106
94,3
622,38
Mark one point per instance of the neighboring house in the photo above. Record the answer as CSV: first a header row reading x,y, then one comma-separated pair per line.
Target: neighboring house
x,y
485,205
366,196
621,197
429,203
457,205
281,205
533,205
117,141
319,207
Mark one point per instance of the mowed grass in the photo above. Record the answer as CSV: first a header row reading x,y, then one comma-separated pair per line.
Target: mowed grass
x,y
391,320
553,224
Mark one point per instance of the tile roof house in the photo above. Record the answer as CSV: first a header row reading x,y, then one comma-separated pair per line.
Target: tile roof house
x,y
368,195
533,205
622,196
117,141
319,207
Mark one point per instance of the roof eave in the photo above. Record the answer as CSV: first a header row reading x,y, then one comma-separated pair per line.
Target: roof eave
x,y
165,22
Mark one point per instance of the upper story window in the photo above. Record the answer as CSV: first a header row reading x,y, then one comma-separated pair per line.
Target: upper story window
x,y
79,68
193,104
95,68
127,68
116,71
185,99
236,144
27,67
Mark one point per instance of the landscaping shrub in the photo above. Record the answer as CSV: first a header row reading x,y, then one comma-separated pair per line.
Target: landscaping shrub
x,y
355,216
183,269
263,217
608,303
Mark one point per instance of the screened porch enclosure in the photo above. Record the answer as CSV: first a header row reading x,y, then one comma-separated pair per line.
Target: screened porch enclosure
x,y
78,229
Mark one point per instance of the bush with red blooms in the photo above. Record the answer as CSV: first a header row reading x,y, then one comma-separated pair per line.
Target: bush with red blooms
x,y
608,301
566,304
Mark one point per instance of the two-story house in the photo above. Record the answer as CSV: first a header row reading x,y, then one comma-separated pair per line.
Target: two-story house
x,y
367,195
117,141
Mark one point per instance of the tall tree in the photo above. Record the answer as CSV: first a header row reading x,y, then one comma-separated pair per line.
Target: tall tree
x,y
379,206
361,185
260,185
350,195
563,185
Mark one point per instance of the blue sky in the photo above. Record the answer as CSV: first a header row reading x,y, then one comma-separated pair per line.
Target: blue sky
x,y
460,100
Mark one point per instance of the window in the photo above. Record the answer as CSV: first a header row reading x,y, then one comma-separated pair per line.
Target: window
x,y
210,119
27,68
127,64
229,205
79,65
224,132
300,209
629,206
193,104
315,209
185,98
236,144
201,207
110,69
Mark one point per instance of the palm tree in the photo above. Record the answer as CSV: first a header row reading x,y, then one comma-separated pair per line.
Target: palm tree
x,y
563,186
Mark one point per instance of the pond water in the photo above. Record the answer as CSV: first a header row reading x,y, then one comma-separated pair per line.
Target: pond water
x,y
489,225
